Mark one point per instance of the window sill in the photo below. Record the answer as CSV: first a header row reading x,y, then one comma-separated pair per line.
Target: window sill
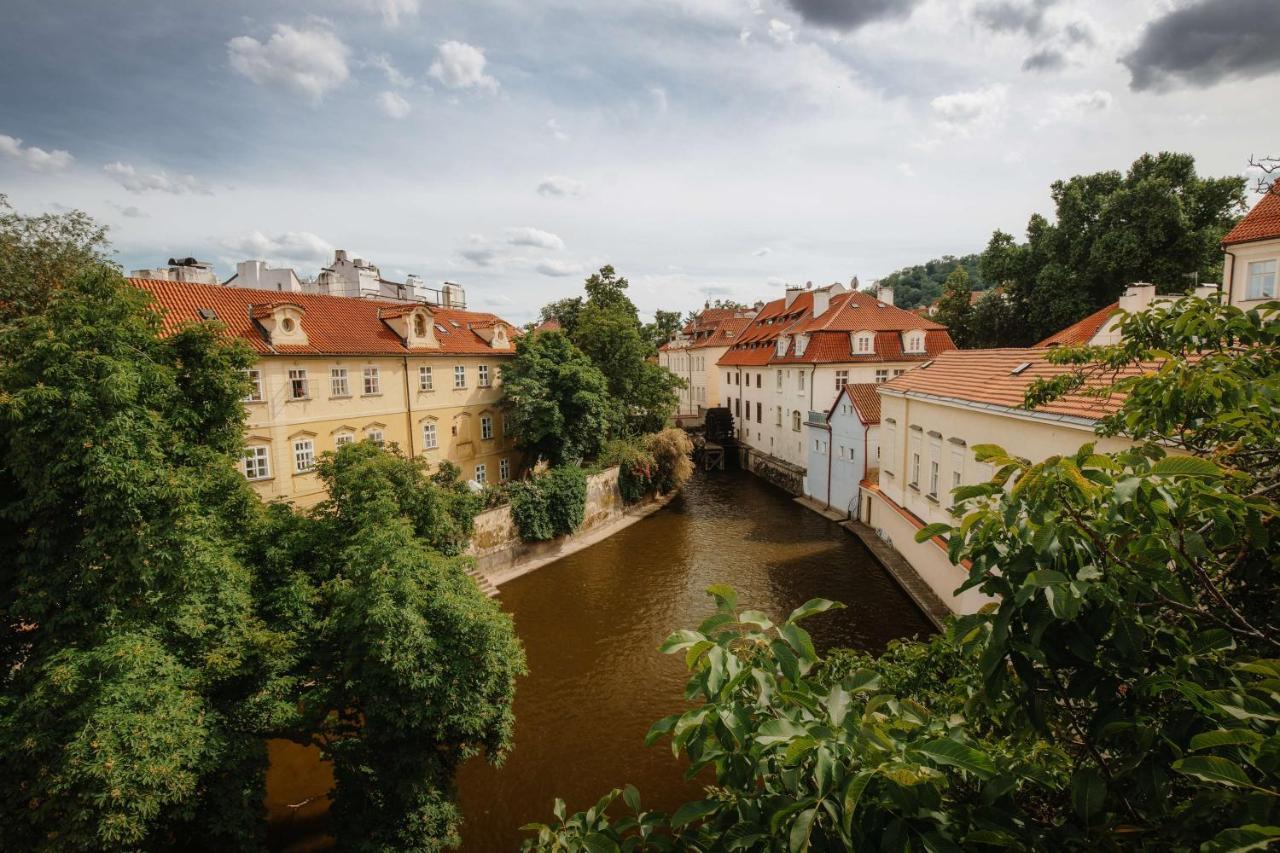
x,y
339,396
253,402
460,387
259,479
913,487
298,400
490,385
379,394
304,473
933,499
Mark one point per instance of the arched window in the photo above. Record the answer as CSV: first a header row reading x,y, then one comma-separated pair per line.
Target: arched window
x,y
795,421
420,326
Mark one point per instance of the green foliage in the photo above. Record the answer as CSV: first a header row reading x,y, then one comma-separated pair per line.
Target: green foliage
x,y
664,325
161,622
1159,222
563,311
955,309
994,322
922,284
636,468
1120,691
561,406
39,254
131,650
550,505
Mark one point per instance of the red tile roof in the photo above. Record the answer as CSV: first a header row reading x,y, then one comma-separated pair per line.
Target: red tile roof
x,y
724,333
865,398
1261,223
858,312
549,325
986,376
1082,331
335,325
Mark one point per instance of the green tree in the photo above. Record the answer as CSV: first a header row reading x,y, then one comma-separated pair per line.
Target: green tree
x,y
922,284
1119,692
135,669
643,394
561,406
955,309
664,325
563,311
994,321
404,668
1159,222
38,254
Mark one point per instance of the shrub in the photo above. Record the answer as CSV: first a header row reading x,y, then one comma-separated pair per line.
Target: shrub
x,y
636,468
550,505
673,454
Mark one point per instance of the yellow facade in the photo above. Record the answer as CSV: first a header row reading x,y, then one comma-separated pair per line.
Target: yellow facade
x,y
384,398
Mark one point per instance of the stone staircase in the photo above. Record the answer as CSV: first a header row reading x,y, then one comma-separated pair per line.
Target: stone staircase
x,y
486,585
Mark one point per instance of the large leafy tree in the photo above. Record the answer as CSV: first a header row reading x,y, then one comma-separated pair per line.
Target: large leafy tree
x,y
159,621
664,325
955,308
923,283
1159,222
404,668
1120,692
561,407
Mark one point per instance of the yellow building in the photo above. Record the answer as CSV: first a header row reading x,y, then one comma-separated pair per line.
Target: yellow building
x,y
333,370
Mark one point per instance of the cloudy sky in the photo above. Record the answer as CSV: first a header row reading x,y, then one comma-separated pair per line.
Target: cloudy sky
x,y
706,148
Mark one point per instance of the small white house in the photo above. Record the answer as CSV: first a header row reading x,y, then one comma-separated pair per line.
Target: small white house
x,y
843,447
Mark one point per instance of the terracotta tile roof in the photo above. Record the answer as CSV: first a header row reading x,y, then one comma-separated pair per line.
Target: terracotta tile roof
x,y
1083,331
1261,223
335,325
865,398
724,333
829,332
550,325
986,377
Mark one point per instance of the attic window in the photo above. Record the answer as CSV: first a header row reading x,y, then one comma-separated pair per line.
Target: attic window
x,y
440,328
287,324
456,324
1020,368
926,365
206,314
420,326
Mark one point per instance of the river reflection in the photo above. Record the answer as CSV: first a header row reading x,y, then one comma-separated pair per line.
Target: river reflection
x,y
591,624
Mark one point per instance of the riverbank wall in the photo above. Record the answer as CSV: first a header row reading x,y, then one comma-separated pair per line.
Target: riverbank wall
x,y
501,555
771,469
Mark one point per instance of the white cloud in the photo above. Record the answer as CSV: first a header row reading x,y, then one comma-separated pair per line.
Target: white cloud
x,y
479,251
395,76
461,66
390,10
393,106
557,131
781,32
744,35
907,169
760,253
129,211
309,62
964,112
301,247
127,176
1068,107
33,158
558,269
534,237
558,186
659,96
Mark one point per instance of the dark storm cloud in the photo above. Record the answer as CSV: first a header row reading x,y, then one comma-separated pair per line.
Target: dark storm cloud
x,y
1206,43
1007,16
1048,59
851,14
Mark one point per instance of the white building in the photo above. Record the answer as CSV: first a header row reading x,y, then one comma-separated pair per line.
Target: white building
x,y
256,275
800,351
1101,328
1252,249
844,448
356,277
692,354
188,270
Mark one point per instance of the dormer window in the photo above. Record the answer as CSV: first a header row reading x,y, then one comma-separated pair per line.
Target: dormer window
x,y
913,342
802,343
412,323
864,343
282,321
287,325
420,326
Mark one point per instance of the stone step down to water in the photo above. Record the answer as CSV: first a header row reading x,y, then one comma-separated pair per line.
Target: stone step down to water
x,y
486,585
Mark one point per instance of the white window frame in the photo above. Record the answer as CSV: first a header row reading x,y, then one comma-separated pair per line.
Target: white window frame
x,y
342,439
882,375
254,376
372,381
459,376
486,427
339,386
425,381
430,436
482,473
842,379
504,470
482,376
377,436
256,457
298,383
934,477
304,455
863,345
1261,282
801,380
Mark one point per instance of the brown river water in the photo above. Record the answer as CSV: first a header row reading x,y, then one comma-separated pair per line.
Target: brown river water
x,y
591,625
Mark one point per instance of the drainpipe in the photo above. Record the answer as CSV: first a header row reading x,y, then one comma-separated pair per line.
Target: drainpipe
x,y
1230,279
408,406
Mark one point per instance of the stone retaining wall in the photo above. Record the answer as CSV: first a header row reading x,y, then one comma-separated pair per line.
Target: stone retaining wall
x,y
498,548
784,475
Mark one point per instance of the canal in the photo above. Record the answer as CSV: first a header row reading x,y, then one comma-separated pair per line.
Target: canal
x,y
591,625
592,622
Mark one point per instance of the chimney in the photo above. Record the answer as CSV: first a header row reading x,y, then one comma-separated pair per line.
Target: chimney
x,y
884,294
821,301
1137,297
339,255
793,290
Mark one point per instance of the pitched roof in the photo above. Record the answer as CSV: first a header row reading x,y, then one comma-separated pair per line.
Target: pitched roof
x,y
723,333
1082,331
335,325
865,398
986,377
856,312
1261,223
